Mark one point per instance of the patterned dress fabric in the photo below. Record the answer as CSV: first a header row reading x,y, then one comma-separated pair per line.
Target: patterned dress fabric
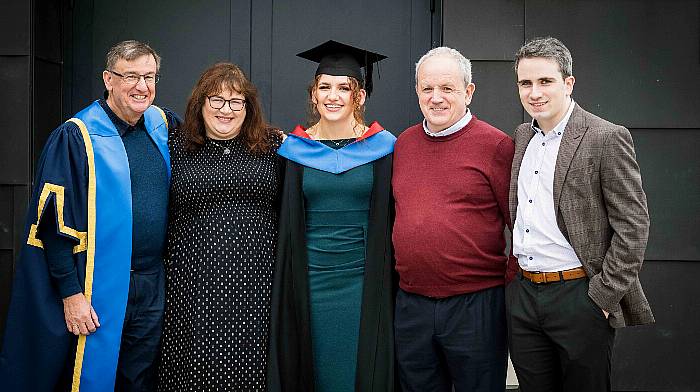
x,y
221,249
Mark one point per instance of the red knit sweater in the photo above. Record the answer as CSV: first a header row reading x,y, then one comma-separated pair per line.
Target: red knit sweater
x,y
451,207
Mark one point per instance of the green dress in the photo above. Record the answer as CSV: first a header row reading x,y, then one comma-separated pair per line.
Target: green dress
x,y
337,211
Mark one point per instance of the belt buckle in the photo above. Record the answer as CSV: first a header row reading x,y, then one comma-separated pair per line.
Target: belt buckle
x,y
544,277
535,277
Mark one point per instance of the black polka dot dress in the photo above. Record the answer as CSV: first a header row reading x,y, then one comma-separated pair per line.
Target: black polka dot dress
x,y
221,248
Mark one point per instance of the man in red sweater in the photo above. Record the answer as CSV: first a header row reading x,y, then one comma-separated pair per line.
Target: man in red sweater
x,y
450,181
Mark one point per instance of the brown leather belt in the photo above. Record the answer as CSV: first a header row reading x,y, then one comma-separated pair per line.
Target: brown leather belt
x,y
548,277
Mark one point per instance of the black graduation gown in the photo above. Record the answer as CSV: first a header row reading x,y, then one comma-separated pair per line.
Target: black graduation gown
x,y
290,361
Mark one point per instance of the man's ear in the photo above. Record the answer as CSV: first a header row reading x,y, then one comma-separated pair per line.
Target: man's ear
x,y
569,82
107,79
469,93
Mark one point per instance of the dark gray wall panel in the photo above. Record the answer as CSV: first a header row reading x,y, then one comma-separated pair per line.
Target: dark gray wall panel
x,y
6,274
496,96
47,97
48,38
6,217
14,123
239,36
187,35
20,195
380,26
420,37
638,64
668,160
261,54
663,356
15,27
262,37
423,37
484,29
78,64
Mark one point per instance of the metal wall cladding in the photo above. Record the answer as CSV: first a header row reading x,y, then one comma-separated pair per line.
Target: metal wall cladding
x,y
496,99
15,32
15,123
670,166
636,63
263,38
662,356
6,274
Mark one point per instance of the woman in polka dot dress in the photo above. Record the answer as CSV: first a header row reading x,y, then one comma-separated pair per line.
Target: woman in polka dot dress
x,y
222,237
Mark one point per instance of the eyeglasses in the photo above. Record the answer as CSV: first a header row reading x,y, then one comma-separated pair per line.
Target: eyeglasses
x,y
216,102
133,79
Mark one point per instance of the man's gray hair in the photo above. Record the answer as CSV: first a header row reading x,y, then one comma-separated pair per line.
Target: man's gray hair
x,y
130,50
549,48
464,64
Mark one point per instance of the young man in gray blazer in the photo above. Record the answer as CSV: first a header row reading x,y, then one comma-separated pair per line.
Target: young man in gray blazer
x,y
580,231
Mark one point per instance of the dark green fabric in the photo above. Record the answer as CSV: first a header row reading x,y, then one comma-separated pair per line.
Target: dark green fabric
x,y
337,210
290,363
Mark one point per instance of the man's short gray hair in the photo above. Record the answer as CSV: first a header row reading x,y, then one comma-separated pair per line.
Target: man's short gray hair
x,y
464,64
130,50
549,48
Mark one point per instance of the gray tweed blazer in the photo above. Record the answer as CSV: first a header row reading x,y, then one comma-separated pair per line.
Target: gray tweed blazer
x,y
601,209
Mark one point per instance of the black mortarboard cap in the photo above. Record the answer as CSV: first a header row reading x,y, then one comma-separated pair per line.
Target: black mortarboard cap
x,y
338,59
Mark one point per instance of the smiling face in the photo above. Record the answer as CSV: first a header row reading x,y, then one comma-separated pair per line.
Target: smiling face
x,y
544,92
442,95
224,123
333,98
129,101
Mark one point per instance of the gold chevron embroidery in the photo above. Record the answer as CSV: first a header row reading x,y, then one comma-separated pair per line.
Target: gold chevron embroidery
x,y
90,262
59,198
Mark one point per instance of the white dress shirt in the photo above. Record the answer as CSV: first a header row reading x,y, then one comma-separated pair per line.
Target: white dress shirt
x,y
538,243
454,128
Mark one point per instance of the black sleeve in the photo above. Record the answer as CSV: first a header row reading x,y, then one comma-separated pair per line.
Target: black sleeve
x,y
174,121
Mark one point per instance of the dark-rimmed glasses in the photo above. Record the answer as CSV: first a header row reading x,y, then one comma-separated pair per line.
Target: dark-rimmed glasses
x,y
133,79
216,102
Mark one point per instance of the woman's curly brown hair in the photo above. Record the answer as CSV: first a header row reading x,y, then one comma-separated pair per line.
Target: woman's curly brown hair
x,y
255,132
358,110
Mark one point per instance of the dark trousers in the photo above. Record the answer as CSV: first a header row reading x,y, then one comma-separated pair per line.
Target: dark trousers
x,y
458,342
143,324
558,337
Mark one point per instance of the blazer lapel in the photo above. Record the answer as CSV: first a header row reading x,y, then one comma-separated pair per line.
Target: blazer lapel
x,y
573,133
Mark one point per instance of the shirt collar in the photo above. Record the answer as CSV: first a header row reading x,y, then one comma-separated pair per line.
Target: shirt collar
x,y
559,128
454,128
122,126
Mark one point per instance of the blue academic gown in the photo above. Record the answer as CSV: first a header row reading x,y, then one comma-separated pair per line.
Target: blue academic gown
x,y
83,173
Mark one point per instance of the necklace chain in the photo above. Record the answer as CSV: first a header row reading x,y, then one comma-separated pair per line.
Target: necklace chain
x,y
341,142
315,132
226,150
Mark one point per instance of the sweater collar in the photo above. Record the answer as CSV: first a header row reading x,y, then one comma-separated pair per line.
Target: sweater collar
x,y
454,128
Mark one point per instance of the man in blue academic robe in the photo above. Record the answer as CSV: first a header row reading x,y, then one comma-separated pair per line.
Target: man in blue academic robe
x,y
88,294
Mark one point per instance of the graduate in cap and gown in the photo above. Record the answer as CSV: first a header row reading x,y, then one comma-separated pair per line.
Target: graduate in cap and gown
x,y
333,287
